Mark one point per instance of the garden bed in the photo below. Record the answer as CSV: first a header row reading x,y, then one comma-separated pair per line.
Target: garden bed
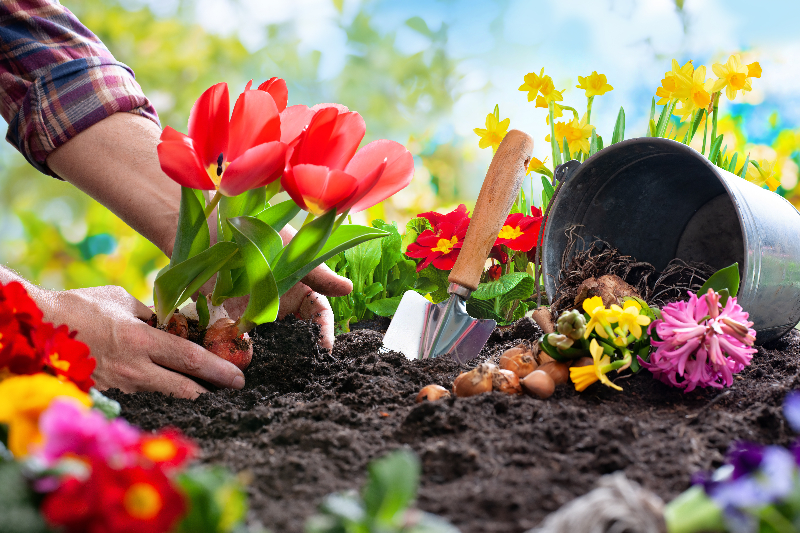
x,y
307,423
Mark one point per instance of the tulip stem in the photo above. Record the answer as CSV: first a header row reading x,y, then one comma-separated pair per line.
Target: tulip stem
x,y
212,204
340,220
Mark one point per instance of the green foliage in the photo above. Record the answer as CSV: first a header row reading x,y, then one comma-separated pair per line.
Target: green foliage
x,y
619,127
217,500
502,300
725,282
105,405
203,314
18,502
385,505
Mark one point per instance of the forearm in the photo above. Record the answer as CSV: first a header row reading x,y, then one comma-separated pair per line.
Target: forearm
x,y
116,163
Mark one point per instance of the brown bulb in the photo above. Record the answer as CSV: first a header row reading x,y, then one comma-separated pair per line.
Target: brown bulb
x,y
539,384
432,393
476,381
558,371
178,326
583,361
506,381
518,360
223,339
541,356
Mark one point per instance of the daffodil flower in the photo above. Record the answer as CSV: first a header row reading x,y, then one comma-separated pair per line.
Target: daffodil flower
x,y
495,131
548,93
537,166
531,84
600,318
734,76
629,318
594,84
577,132
696,94
583,376
763,173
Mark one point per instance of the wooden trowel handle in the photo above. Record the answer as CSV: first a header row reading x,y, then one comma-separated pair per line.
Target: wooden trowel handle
x,y
498,192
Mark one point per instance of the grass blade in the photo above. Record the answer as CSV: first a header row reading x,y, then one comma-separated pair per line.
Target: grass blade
x,y
619,127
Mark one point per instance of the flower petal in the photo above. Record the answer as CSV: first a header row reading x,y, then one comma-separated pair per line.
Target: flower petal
x,y
208,123
255,121
331,139
318,187
276,87
397,175
180,162
293,120
255,168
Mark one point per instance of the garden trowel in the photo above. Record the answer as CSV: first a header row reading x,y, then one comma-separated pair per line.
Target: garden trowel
x,y
421,329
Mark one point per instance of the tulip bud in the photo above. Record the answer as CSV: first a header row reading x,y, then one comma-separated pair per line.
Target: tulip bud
x,y
476,381
432,393
539,384
558,371
572,324
518,360
505,381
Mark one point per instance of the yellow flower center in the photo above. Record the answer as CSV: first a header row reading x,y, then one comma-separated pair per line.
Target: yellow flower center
x,y
509,233
445,246
142,501
60,364
216,170
738,80
701,98
159,449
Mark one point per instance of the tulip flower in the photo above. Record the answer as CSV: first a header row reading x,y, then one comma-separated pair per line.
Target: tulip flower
x,y
229,156
324,171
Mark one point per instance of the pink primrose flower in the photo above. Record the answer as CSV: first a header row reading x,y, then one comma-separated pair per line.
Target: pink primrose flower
x,y
702,343
71,430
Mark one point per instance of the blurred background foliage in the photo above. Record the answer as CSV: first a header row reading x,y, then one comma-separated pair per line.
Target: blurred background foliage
x,y
411,81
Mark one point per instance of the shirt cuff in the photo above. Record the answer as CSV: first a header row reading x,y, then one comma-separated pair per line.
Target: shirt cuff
x,y
69,99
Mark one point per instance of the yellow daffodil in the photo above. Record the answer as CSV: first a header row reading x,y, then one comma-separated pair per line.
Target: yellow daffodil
x,y
696,95
548,93
531,84
676,82
600,318
583,376
558,112
763,174
669,85
630,320
494,133
576,132
535,165
594,84
735,77
22,401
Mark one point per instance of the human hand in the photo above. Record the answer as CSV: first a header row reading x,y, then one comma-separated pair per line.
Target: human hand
x,y
307,298
131,355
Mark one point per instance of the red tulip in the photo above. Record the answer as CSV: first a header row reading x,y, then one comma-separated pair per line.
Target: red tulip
x,y
230,156
323,170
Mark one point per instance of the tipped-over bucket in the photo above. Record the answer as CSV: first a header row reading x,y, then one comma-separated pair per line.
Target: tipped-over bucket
x,y
657,200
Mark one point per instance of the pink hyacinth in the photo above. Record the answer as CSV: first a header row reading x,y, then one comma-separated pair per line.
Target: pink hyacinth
x,y
72,430
701,342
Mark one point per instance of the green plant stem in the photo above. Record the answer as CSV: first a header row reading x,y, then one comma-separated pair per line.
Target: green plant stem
x,y
715,100
705,135
553,140
212,204
340,220
589,110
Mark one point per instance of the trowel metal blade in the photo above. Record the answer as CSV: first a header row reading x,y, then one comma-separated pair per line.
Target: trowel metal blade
x,y
421,329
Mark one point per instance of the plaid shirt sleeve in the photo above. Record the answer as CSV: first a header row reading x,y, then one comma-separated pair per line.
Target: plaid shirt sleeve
x,y
57,79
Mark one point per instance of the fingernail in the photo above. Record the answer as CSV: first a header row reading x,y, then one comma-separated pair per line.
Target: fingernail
x,y
238,382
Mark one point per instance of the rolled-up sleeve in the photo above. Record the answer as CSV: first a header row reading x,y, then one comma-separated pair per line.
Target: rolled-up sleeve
x,y
57,79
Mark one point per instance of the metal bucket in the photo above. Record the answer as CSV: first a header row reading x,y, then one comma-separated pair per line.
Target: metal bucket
x,y
657,199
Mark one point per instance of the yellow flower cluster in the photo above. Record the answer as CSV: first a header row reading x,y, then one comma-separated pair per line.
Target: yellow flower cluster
x,y
576,132
495,131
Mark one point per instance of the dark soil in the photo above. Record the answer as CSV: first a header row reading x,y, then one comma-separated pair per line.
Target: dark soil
x,y
308,423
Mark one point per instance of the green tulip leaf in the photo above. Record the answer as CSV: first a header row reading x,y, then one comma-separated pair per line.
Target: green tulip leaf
x,y
304,246
192,236
279,215
725,279
263,304
175,285
202,311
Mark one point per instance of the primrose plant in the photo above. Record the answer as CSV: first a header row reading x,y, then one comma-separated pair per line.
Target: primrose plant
x,y
243,160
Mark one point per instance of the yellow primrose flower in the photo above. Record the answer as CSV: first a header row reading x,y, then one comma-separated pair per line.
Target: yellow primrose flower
x,y
594,84
535,165
494,133
734,77
696,95
631,320
22,401
763,174
532,84
548,93
583,376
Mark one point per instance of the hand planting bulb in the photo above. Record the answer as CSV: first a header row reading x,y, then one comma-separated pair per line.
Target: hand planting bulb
x,y
572,324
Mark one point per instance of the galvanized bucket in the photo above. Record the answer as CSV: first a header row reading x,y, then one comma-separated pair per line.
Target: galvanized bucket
x,y
657,199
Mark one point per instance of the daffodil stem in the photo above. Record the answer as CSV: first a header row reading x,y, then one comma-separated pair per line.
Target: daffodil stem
x,y
589,110
212,204
714,116
553,140
705,135
308,219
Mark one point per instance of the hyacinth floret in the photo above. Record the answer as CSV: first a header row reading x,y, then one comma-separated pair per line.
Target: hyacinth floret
x,y
700,342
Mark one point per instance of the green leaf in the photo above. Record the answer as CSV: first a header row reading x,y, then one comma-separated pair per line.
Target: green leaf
x,y
593,143
18,501
521,291
547,193
743,174
493,289
175,285
391,486
279,215
713,150
732,164
217,501
345,237
414,227
373,289
619,127
419,25
652,128
726,278
202,311
192,236
567,155
263,304
425,286
652,110
261,234
361,263
246,204
599,142
304,246
104,404
406,272
439,279
386,307
663,120
483,309
696,123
